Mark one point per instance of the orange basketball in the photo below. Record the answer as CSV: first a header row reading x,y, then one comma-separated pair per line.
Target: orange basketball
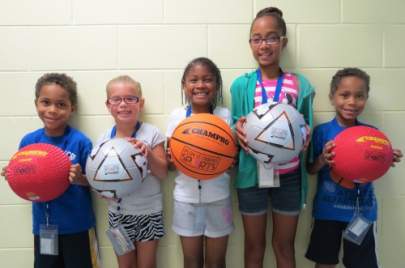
x,y
202,146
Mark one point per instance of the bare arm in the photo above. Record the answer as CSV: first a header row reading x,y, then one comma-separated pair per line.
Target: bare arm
x,y
397,156
76,175
156,158
241,133
326,158
169,156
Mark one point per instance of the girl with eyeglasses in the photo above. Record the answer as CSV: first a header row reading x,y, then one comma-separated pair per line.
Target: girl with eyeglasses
x,y
138,215
268,39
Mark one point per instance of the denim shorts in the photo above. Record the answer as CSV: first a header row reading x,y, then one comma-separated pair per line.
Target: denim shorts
x,y
285,199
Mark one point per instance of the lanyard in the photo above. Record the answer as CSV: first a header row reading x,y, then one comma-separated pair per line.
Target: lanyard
x,y
113,134
137,127
189,111
278,86
357,205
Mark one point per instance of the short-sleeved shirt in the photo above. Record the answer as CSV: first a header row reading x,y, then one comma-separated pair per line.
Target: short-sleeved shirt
x,y
191,190
146,199
72,212
333,202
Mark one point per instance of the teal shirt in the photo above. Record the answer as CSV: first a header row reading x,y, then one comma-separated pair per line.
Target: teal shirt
x,y
242,92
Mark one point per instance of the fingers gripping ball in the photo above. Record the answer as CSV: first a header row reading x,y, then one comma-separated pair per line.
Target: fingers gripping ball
x,y
39,172
115,168
275,133
362,154
202,146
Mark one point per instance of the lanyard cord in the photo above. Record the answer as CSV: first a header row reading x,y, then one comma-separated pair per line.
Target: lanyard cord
x,y
278,86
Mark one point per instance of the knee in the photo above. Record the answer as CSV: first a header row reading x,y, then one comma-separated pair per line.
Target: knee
x,y
192,261
255,249
284,248
215,263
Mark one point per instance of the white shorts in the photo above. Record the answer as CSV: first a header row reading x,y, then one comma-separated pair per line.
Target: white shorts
x,y
208,219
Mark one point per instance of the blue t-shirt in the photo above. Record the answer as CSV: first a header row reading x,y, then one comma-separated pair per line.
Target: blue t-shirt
x,y
333,202
72,212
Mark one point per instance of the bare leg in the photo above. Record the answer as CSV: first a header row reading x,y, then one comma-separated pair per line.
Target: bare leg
x,y
127,260
284,229
255,239
146,254
215,252
192,251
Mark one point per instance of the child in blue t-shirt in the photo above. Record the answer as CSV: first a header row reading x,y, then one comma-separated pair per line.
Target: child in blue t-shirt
x,y
70,216
335,204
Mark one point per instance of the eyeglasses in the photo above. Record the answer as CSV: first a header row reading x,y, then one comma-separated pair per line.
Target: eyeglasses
x,y
116,100
270,40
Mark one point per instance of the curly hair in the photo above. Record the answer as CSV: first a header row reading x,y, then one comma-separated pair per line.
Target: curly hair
x,y
340,74
213,69
64,81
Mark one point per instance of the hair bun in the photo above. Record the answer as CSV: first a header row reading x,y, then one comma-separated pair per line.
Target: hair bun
x,y
270,11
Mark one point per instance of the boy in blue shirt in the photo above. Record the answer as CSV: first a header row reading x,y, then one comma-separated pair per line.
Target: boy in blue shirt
x,y
335,203
71,214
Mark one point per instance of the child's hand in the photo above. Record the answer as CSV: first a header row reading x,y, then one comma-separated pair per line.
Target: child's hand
x,y
327,155
3,172
397,156
241,134
307,138
110,199
76,175
169,156
141,146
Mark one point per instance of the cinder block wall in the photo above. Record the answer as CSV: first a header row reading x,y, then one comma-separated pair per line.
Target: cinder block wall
x,y
152,40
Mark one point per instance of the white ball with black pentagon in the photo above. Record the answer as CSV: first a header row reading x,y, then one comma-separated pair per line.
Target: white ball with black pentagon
x,y
275,133
115,168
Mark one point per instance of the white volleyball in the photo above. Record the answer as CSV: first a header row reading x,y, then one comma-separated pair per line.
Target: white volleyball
x,y
275,133
115,168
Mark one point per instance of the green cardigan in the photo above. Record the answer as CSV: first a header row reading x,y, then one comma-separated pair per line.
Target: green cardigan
x,y
242,91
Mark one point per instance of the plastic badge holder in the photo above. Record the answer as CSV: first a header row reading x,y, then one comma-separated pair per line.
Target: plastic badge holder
x,y
48,240
120,240
357,229
268,176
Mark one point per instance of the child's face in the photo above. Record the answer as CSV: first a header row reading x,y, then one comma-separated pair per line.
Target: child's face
x,y
349,100
124,103
54,108
267,53
200,86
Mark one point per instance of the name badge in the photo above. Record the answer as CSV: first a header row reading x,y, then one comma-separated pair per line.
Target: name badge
x,y
267,175
120,240
48,240
357,229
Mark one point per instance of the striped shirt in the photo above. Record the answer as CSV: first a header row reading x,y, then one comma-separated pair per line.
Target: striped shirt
x,y
288,95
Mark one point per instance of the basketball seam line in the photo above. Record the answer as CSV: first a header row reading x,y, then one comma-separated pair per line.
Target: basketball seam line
x,y
193,122
184,142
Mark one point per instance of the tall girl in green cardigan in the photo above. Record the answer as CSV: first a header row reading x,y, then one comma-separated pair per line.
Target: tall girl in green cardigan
x,y
269,83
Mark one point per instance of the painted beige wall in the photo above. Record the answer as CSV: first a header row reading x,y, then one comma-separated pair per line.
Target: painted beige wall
x,y
95,40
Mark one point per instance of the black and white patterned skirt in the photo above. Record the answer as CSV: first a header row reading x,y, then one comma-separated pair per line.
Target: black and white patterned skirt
x,y
139,227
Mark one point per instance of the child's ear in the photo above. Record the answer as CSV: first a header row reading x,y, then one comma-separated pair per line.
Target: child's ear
x,y
108,105
141,103
331,100
284,42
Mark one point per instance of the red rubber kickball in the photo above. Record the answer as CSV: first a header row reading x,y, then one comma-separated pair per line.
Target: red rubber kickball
x,y
39,172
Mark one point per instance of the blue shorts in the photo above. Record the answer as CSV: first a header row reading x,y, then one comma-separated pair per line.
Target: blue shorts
x,y
285,199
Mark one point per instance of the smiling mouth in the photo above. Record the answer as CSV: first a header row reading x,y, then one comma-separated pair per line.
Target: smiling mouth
x,y
200,93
